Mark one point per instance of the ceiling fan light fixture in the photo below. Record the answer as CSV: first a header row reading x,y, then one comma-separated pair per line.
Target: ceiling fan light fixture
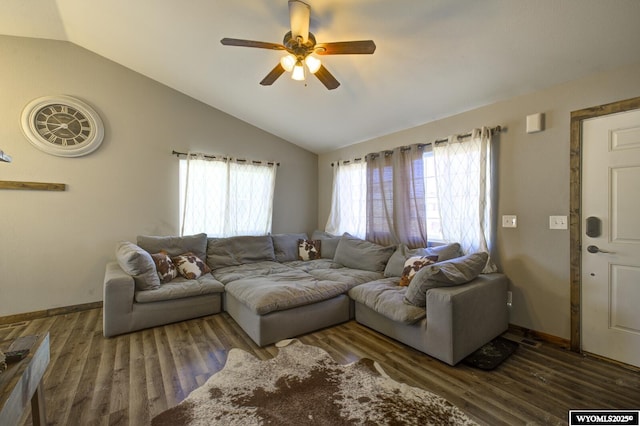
x,y
301,49
288,62
298,71
313,64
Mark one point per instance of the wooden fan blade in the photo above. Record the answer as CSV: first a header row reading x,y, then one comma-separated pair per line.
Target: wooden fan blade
x,y
251,43
327,78
361,47
273,75
299,15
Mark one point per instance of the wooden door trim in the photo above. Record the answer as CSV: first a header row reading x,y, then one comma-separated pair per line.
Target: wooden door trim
x,y
575,221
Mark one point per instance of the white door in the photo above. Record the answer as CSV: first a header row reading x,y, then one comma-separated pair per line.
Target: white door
x,y
610,305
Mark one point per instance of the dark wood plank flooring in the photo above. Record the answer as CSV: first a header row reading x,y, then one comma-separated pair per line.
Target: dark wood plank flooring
x,y
128,379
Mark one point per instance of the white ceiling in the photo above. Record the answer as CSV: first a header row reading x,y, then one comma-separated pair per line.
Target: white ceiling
x,y
434,58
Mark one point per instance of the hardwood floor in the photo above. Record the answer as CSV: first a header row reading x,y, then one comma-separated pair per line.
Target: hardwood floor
x,y
128,379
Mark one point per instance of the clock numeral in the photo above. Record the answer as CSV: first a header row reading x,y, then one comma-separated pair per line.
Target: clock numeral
x,y
52,138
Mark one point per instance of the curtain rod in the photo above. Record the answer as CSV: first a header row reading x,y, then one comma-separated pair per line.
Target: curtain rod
x,y
213,157
493,130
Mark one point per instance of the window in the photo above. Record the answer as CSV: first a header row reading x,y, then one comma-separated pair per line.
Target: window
x,y
349,203
451,182
225,197
434,222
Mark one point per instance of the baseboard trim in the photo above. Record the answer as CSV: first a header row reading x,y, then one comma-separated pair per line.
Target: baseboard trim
x,y
28,316
538,335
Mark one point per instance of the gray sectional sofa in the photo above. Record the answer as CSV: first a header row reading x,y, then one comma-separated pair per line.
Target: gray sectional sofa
x,y
273,295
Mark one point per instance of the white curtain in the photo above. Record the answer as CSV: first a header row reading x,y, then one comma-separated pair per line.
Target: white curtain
x,y
349,199
463,176
225,197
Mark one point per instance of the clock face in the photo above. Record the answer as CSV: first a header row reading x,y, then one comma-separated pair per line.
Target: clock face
x,y
62,126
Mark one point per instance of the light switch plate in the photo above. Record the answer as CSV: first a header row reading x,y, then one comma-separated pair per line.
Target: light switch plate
x,y
557,222
509,221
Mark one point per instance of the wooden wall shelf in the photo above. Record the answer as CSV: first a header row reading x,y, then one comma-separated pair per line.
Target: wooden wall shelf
x,y
34,186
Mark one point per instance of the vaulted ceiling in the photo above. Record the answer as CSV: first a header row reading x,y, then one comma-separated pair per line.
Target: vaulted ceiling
x,y
434,58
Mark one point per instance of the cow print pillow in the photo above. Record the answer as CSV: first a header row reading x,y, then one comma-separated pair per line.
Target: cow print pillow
x,y
308,249
190,266
413,265
164,266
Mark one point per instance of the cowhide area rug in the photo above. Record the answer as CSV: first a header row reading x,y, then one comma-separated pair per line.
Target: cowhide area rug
x,y
303,385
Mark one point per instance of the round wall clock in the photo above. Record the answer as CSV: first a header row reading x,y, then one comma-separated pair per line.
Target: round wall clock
x,y
62,126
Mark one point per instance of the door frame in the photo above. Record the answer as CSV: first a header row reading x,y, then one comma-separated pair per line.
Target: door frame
x,y
575,195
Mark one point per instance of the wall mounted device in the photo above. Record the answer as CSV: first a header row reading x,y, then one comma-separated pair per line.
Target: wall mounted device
x,y
535,123
594,227
5,157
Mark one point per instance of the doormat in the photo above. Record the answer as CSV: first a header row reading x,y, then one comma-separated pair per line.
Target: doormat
x,y
492,354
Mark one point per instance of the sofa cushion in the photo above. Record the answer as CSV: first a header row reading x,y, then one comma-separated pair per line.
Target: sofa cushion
x,y
356,253
234,251
387,298
310,265
165,267
413,265
139,264
309,249
190,266
444,274
175,245
237,272
395,265
283,290
351,277
285,246
180,288
329,243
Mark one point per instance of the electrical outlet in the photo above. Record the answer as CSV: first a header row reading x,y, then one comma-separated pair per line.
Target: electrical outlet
x,y
509,221
557,222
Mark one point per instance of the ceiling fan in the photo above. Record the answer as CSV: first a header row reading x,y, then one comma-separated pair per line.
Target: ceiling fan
x,y
301,47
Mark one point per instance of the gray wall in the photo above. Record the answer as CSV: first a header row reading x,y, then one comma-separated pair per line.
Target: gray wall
x,y
54,245
533,184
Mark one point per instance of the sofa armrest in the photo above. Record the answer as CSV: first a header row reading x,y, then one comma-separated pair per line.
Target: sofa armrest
x,y
461,319
119,288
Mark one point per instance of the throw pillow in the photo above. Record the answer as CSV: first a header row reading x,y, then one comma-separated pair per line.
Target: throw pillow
x,y
309,249
413,265
239,250
285,246
329,243
356,253
164,266
444,274
175,245
190,266
138,263
396,262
